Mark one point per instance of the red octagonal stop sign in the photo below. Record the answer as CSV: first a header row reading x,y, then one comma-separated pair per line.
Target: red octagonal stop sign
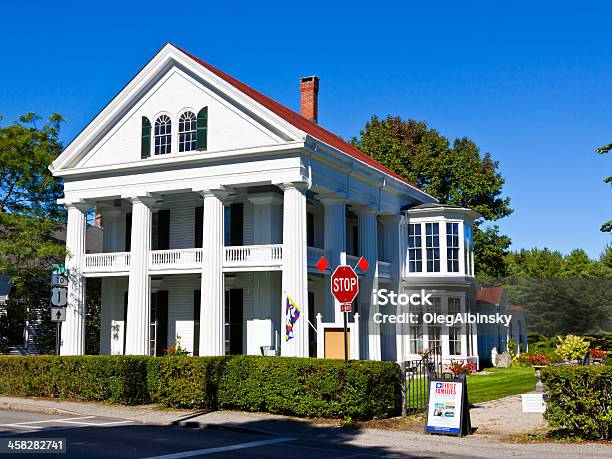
x,y
344,284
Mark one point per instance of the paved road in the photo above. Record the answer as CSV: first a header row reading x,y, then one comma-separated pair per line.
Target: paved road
x,y
101,437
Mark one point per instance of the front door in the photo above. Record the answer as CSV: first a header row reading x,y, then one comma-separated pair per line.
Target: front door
x,y
233,321
159,322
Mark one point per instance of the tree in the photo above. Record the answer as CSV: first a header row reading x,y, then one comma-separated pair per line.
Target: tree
x,y
563,294
29,213
607,226
455,174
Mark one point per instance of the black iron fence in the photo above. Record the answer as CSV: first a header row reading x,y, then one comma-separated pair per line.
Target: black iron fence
x,y
416,374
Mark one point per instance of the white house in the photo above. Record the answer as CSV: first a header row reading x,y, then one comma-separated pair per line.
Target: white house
x,y
218,202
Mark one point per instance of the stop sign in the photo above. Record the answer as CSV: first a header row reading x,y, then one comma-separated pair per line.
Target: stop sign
x,y
344,284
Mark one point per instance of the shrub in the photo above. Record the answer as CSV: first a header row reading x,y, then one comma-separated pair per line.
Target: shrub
x,y
458,367
572,347
527,360
292,386
119,379
579,403
185,382
311,387
598,353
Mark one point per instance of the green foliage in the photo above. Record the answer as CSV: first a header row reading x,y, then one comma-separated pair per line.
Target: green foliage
x,y
118,379
456,174
312,387
29,213
572,347
292,386
579,403
607,226
563,294
185,382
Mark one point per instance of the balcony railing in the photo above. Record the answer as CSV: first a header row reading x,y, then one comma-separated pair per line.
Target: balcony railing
x,y
106,262
270,255
176,259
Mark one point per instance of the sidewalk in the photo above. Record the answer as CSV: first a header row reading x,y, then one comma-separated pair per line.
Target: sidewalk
x,y
488,444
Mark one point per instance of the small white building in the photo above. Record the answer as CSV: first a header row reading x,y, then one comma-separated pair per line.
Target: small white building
x,y
217,202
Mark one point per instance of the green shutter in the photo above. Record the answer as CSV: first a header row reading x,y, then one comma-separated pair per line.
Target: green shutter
x,y
145,145
202,134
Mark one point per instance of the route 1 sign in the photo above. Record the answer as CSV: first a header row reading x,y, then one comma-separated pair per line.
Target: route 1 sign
x,y
59,280
59,296
58,314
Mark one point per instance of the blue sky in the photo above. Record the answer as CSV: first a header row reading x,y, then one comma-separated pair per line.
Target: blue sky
x,y
530,82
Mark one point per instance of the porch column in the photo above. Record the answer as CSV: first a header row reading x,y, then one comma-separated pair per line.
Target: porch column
x,y
295,267
368,248
335,247
73,329
110,239
137,341
212,319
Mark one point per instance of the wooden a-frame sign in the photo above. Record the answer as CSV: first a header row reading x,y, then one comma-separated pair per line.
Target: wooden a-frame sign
x,y
448,409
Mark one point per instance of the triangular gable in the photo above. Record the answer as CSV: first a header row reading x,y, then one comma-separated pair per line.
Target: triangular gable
x,y
171,67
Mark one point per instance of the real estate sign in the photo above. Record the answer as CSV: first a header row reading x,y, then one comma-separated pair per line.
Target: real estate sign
x,y
448,409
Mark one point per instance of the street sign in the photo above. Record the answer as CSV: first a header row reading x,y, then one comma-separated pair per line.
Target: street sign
x,y
58,314
344,284
58,268
59,296
59,280
345,287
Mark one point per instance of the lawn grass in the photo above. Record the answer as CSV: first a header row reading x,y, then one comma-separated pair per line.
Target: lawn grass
x,y
501,382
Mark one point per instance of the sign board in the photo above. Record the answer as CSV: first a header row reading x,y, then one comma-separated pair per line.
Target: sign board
x,y
59,296
58,268
58,314
345,307
344,284
533,403
59,280
448,409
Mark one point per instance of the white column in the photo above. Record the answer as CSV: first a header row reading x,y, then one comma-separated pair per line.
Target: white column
x,y
137,340
335,248
295,267
110,241
212,320
267,224
73,329
368,248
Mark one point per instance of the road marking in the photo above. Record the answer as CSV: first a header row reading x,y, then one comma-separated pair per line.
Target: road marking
x,y
42,422
94,423
221,449
22,426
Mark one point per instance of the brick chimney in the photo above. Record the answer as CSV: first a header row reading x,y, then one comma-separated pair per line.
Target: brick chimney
x,y
309,98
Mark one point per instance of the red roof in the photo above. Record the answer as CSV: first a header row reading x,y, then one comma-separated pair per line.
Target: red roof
x,y
492,295
299,121
518,308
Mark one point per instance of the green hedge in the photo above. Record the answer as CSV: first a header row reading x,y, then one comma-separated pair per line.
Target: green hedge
x,y
579,401
292,386
312,387
117,379
185,382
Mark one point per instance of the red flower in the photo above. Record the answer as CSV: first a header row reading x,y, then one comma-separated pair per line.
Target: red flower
x,y
598,353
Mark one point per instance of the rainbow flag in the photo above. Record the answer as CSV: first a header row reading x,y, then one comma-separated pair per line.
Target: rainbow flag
x,y
292,313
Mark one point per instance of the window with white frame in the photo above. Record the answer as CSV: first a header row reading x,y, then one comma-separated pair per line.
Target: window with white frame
x,y
468,249
452,247
454,333
432,245
163,135
415,338
187,132
415,256
434,331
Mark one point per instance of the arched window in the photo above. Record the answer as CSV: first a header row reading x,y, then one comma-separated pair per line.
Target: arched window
x,y
163,135
187,132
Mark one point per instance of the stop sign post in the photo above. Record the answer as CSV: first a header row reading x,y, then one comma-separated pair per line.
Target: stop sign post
x,y
345,287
